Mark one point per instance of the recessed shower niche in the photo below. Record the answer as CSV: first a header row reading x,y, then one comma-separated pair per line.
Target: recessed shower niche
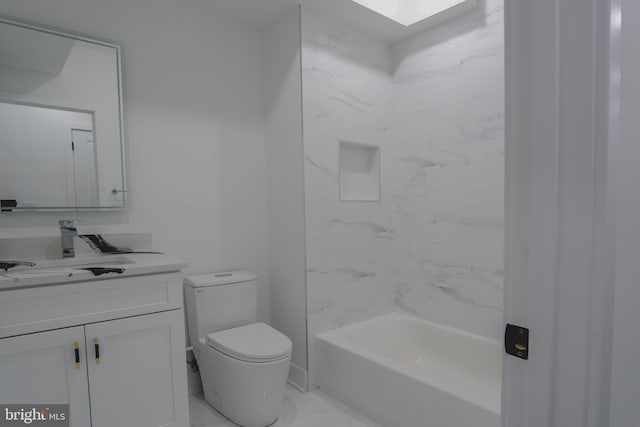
x,y
359,172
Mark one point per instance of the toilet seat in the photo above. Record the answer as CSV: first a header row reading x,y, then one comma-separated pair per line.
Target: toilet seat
x,y
257,342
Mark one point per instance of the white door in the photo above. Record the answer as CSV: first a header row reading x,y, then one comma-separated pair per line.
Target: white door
x,y
560,215
84,167
41,368
138,375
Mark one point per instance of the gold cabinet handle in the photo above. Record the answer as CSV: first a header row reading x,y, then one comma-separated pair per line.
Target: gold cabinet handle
x,y
96,346
76,354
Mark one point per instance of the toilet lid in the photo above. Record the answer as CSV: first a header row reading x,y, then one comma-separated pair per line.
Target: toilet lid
x,y
257,342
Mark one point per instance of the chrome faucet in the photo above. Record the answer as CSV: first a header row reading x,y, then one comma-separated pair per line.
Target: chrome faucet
x,y
69,231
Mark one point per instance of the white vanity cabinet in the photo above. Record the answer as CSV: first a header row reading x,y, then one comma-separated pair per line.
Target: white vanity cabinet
x,y
40,368
129,367
140,377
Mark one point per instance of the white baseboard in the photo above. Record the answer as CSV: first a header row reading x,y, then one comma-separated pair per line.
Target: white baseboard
x,y
298,377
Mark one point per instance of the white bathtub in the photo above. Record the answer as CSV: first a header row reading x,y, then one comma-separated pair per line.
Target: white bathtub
x,y
406,372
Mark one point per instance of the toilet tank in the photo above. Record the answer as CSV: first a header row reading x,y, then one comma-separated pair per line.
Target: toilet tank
x,y
219,301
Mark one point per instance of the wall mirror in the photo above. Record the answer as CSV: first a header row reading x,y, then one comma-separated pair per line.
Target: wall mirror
x,y
61,120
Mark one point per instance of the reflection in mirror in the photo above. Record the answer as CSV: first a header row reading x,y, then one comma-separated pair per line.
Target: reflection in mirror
x,y
48,156
61,134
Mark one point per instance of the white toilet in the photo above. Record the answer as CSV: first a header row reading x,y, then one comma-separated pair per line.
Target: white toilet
x,y
243,364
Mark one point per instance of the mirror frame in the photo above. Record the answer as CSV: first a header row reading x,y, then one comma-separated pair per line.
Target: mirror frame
x,y
38,26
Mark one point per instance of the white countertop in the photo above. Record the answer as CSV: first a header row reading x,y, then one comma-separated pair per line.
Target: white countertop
x,y
68,270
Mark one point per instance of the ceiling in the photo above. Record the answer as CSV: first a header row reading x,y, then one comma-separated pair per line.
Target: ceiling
x,y
261,13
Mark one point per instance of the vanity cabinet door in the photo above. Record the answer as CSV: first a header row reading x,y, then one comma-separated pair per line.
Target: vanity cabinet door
x,y
41,368
137,371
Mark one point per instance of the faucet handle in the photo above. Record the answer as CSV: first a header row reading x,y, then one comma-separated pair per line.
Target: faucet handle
x,y
68,222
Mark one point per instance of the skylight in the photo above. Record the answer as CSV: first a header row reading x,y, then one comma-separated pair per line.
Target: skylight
x,y
409,12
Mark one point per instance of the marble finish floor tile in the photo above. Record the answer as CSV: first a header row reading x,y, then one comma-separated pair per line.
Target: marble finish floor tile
x,y
313,409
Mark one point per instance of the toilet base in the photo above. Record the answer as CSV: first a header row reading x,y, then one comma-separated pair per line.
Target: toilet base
x,y
248,393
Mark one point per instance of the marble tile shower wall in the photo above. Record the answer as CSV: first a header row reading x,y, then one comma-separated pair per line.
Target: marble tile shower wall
x,y
347,96
448,155
434,105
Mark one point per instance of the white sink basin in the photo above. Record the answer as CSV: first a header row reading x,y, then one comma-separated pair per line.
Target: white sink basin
x,y
72,263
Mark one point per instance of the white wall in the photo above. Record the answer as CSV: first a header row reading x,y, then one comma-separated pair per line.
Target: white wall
x,y
194,98
285,187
